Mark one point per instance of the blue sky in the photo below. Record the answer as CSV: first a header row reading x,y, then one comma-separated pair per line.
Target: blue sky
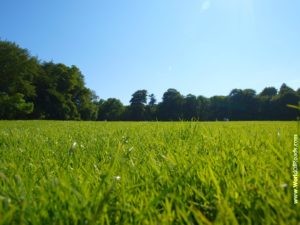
x,y
203,47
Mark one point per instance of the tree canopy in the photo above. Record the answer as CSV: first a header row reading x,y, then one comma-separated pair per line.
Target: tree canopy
x,y
18,71
138,105
30,89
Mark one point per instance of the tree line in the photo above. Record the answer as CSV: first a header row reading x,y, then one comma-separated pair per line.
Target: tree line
x,y
31,89
270,104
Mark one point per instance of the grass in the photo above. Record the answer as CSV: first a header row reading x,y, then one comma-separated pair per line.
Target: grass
x,y
147,173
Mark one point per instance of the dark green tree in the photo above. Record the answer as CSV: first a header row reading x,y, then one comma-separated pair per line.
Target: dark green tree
x,y
14,106
265,105
203,107
61,94
112,109
151,108
18,70
87,105
286,96
138,105
55,93
242,104
152,100
191,108
285,89
171,108
269,92
218,108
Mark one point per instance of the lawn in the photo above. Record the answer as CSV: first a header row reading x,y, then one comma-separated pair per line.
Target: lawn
x,y
147,173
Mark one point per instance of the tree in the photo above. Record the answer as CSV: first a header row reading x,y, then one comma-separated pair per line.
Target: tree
x,y
61,94
18,71
137,105
14,106
218,108
152,100
151,108
112,109
242,104
57,90
265,108
203,110
285,89
191,107
265,105
269,92
171,106
87,104
286,96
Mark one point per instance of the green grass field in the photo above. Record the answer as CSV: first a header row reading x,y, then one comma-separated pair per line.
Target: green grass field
x,y
147,173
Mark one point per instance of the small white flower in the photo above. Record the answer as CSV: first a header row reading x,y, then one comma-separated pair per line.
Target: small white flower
x,y
117,178
74,144
73,147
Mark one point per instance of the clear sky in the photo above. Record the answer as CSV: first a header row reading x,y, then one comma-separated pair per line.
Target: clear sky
x,y
203,47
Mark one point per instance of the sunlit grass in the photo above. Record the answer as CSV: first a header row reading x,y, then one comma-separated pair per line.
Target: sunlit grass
x,y
146,173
